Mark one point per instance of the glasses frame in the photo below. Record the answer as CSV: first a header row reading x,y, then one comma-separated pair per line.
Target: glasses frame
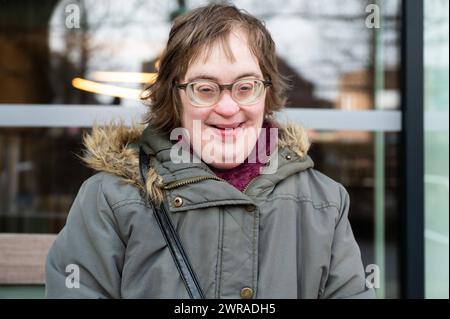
x,y
222,87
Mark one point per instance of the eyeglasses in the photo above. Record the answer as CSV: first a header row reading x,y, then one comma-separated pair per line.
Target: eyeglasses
x,y
206,93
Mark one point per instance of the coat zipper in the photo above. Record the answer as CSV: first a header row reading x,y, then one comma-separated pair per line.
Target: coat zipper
x,y
246,187
192,180
251,181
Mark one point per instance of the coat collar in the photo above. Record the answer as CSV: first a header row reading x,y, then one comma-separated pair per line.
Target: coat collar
x,y
114,149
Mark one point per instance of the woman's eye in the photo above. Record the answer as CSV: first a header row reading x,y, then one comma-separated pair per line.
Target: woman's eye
x,y
245,87
205,89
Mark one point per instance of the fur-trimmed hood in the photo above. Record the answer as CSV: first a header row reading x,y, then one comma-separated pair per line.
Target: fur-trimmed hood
x,y
114,149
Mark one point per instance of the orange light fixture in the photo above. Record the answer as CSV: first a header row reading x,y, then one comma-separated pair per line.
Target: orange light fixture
x,y
94,86
106,89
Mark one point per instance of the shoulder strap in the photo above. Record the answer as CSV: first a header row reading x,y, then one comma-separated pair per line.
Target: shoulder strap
x,y
173,241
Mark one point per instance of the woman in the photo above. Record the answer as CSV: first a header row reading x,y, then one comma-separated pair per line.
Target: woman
x,y
253,217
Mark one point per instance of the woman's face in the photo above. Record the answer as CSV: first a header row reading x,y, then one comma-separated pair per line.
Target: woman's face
x,y
224,134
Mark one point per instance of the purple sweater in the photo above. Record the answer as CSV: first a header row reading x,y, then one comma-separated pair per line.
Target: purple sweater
x,y
242,175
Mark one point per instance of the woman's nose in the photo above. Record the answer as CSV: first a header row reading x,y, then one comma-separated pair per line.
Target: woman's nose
x,y
226,105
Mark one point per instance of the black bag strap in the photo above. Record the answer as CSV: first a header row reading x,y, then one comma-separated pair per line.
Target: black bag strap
x,y
173,240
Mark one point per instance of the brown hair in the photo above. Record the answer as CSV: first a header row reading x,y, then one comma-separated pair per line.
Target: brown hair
x,y
194,32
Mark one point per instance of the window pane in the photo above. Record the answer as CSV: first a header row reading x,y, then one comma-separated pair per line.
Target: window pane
x,y
332,52
40,176
436,149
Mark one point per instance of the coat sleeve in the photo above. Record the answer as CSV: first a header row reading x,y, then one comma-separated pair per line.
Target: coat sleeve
x,y
88,245
346,277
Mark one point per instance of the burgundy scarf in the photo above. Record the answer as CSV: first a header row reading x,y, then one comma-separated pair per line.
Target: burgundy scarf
x,y
241,175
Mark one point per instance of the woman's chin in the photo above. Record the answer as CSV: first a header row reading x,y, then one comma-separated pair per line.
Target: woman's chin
x,y
225,165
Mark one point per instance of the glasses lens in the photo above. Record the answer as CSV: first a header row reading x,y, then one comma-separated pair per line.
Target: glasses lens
x,y
248,91
203,93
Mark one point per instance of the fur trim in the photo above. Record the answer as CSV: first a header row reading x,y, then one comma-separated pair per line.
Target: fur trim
x,y
106,150
295,137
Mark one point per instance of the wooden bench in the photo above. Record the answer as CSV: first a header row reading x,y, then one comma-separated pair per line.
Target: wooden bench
x,y
22,258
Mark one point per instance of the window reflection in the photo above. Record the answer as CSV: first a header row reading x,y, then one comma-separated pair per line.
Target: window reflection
x,y
436,42
39,177
324,46
329,52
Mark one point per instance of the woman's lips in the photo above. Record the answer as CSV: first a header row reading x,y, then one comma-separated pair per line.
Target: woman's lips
x,y
227,130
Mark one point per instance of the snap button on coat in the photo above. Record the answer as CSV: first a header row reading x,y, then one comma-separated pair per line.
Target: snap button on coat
x,y
250,208
246,293
177,201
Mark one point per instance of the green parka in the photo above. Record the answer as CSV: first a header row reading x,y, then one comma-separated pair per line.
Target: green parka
x,y
286,236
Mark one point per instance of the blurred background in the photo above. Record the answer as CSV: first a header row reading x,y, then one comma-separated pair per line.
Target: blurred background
x,y
67,64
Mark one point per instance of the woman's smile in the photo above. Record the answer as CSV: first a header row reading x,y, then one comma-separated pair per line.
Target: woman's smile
x,y
227,130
